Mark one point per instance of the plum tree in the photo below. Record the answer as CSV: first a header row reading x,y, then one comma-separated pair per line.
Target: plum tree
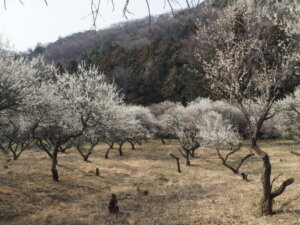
x,y
182,123
255,50
66,105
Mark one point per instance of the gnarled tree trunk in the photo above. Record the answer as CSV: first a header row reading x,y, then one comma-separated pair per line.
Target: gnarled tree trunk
x,y
268,196
54,164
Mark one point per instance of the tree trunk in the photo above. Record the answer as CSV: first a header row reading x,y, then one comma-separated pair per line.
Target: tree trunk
x,y
120,149
163,141
266,201
193,153
106,154
15,156
86,157
177,160
54,163
188,163
111,145
132,145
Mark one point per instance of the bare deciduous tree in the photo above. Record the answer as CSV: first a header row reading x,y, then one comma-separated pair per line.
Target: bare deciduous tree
x,y
95,8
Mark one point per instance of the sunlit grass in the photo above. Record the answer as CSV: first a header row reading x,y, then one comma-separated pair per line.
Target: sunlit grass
x,y
205,193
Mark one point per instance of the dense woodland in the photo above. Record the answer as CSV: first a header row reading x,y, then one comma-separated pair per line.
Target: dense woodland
x,y
149,66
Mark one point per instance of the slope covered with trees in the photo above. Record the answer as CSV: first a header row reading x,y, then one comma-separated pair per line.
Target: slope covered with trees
x,y
149,66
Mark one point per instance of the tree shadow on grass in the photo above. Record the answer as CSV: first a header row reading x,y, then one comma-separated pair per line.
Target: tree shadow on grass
x,y
284,205
297,211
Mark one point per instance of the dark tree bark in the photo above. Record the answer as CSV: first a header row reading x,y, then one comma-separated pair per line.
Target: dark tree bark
x,y
268,196
54,164
111,145
16,155
163,141
63,149
16,147
188,162
87,155
295,153
235,170
120,149
177,160
97,172
107,152
186,155
132,145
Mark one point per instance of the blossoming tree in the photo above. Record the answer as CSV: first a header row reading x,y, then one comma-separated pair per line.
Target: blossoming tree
x,y
255,50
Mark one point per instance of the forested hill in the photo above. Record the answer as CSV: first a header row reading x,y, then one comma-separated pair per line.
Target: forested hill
x,y
149,66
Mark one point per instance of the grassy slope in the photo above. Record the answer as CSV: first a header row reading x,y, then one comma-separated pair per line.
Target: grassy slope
x,y
205,193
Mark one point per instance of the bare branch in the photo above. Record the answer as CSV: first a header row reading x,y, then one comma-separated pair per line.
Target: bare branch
x,y
182,153
149,14
233,151
237,169
275,178
295,153
242,161
281,189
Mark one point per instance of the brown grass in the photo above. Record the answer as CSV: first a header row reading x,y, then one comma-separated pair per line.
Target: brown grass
x,y
205,193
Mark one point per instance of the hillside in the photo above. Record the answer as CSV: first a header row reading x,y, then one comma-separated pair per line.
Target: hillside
x,y
149,66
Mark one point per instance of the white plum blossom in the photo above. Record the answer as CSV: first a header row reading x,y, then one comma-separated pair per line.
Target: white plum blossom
x,y
288,119
182,122
255,52
215,131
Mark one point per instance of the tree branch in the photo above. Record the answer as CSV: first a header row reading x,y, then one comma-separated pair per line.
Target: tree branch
x,y
295,153
275,178
237,169
244,159
177,160
281,189
182,152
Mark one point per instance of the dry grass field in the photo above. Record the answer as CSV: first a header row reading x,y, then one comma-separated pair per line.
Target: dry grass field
x,y
205,193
